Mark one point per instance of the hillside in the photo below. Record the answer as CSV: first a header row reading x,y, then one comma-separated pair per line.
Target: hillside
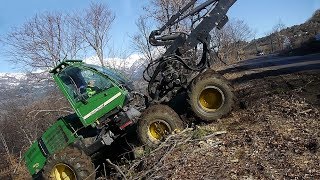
x,y
287,38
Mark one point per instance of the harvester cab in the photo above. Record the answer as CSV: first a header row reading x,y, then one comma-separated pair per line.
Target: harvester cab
x,y
91,90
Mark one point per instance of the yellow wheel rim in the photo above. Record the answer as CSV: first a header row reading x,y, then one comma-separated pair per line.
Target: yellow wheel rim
x,y
62,172
211,98
159,129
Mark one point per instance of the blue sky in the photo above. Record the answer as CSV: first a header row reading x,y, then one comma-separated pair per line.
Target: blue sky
x,y
260,15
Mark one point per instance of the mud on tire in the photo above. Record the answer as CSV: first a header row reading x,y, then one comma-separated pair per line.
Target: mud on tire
x,y
210,96
156,123
70,162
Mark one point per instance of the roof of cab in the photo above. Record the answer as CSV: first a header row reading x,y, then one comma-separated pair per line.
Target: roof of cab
x,y
64,64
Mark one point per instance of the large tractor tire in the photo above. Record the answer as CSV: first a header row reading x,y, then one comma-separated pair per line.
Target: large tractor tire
x,y
211,96
157,122
69,164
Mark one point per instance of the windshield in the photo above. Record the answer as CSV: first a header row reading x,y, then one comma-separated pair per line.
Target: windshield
x,y
83,82
111,73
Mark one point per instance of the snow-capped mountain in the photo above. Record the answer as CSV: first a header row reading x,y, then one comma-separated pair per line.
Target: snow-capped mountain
x,y
23,85
132,65
11,79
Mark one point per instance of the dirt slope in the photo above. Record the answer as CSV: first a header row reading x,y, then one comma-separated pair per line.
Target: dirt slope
x,y
272,134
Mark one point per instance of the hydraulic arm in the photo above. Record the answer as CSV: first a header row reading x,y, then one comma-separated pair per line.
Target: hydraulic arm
x,y
172,70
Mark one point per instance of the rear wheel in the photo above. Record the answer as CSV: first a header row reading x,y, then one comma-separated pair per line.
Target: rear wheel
x,y
211,96
69,164
156,123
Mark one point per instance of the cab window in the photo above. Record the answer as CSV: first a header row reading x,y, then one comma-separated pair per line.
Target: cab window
x,y
83,83
96,80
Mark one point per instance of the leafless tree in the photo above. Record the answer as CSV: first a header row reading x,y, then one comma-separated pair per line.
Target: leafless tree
x,y
94,25
271,42
277,35
42,42
140,40
162,10
229,42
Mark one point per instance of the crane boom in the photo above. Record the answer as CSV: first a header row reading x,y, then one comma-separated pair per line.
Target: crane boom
x,y
174,69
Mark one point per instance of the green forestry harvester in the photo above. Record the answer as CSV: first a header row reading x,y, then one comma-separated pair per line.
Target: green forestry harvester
x,y
106,106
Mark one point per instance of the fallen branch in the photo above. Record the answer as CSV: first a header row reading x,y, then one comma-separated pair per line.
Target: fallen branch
x,y
93,172
208,147
215,134
164,143
210,135
37,112
158,165
117,168
168,146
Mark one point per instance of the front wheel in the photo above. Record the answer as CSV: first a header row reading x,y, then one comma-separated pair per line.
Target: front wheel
x,y
157,122
211,96
69,164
